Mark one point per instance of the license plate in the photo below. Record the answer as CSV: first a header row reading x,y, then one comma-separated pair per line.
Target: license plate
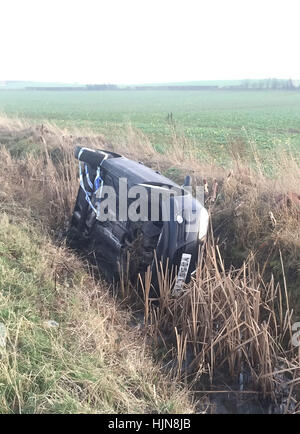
x,y
182,273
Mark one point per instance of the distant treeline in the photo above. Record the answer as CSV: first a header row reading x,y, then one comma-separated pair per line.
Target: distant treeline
x,y
268,83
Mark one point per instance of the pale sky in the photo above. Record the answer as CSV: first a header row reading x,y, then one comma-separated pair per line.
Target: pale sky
x,y
143,41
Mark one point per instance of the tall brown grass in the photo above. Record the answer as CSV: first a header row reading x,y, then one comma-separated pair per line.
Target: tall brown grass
x,y
228,322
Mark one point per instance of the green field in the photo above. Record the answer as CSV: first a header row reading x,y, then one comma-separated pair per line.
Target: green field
x,y
212,120
97,356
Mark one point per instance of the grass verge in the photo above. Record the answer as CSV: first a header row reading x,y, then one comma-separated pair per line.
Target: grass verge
x,y
70,348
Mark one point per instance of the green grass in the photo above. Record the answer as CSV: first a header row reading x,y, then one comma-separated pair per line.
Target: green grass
x,y
212,120
93,362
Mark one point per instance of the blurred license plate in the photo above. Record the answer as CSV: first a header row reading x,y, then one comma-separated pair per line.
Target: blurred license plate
x,y
182,273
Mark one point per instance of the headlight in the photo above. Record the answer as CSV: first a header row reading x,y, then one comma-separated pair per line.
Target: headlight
x,y
203,226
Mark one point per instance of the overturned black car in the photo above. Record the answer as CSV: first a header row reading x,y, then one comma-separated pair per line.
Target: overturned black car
x,y
128,216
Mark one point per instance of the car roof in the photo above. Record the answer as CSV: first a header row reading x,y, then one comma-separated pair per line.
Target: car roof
x,y
135,172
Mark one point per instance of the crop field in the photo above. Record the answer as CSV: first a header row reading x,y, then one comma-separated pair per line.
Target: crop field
x,y
213,120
